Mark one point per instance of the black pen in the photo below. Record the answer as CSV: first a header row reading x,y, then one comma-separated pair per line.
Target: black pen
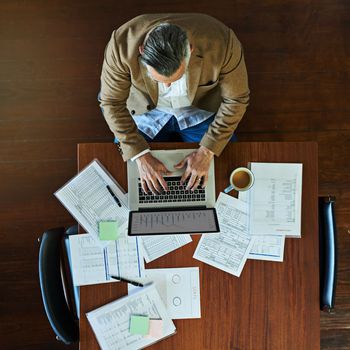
x,y
114,196
121,279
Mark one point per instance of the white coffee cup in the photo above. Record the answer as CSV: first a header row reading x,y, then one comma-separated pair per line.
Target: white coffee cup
x,y
241,179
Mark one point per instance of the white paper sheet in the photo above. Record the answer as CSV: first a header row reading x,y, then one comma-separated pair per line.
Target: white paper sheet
x,y
87,198
93,264
228,250
179,289
111,322
275,199
265,247
156,246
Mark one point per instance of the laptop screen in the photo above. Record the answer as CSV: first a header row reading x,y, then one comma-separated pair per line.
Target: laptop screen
x,y
173,221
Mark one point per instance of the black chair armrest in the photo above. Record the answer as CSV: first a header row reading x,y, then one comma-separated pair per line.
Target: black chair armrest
x,y
52,292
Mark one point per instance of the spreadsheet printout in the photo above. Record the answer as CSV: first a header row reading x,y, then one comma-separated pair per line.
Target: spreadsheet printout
x,y
265,247
275,199
92,264
156,246
228,250
87,198
111,322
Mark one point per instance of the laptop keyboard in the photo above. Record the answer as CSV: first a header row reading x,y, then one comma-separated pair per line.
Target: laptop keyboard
x,y
176,193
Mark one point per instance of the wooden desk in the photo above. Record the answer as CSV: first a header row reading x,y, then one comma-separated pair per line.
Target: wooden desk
x,y
272,306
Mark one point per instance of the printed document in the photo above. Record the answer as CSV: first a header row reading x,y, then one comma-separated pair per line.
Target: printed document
x,y
156,246
88,199
265,247
179,289
228,250
92,264
111,322
275,199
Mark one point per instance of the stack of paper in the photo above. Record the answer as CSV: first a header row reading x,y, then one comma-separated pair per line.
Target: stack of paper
x,y
111,322
275,208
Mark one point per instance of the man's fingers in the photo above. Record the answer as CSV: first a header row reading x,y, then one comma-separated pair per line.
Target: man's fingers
x,y
151,186
197,183
192,182
185,176
163,183
205,180
157,188
144,186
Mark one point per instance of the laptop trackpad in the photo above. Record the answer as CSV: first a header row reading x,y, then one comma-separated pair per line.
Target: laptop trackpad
x,y
171,158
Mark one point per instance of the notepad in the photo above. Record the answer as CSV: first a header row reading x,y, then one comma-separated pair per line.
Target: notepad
x,y
108,230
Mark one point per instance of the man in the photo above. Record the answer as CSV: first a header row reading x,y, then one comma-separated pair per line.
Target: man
x,y
166,74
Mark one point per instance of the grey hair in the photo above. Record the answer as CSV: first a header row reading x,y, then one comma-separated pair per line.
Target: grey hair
x,y
165,48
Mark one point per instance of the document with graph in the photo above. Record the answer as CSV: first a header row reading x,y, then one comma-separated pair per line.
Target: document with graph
x,y
111,322
93,196
275,199
228,250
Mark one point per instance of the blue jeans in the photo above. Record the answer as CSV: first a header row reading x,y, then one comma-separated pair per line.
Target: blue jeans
x,y
172,133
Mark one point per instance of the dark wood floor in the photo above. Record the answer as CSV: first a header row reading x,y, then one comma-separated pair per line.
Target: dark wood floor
x,y
298,58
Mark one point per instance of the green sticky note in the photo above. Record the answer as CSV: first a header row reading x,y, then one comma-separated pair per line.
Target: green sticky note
x,y
139,325
108,230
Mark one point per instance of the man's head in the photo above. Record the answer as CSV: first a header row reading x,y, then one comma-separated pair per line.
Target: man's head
x,y
166,52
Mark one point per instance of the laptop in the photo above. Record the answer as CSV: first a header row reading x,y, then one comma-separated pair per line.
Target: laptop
x,y
177,211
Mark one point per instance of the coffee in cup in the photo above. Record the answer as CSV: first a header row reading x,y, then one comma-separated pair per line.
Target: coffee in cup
x,y
241,179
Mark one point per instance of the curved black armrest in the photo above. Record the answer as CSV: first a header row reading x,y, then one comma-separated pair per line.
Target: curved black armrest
x,y
328,252
52,292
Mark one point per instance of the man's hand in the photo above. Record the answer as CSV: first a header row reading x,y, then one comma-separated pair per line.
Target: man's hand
x,y
198,163
151,172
